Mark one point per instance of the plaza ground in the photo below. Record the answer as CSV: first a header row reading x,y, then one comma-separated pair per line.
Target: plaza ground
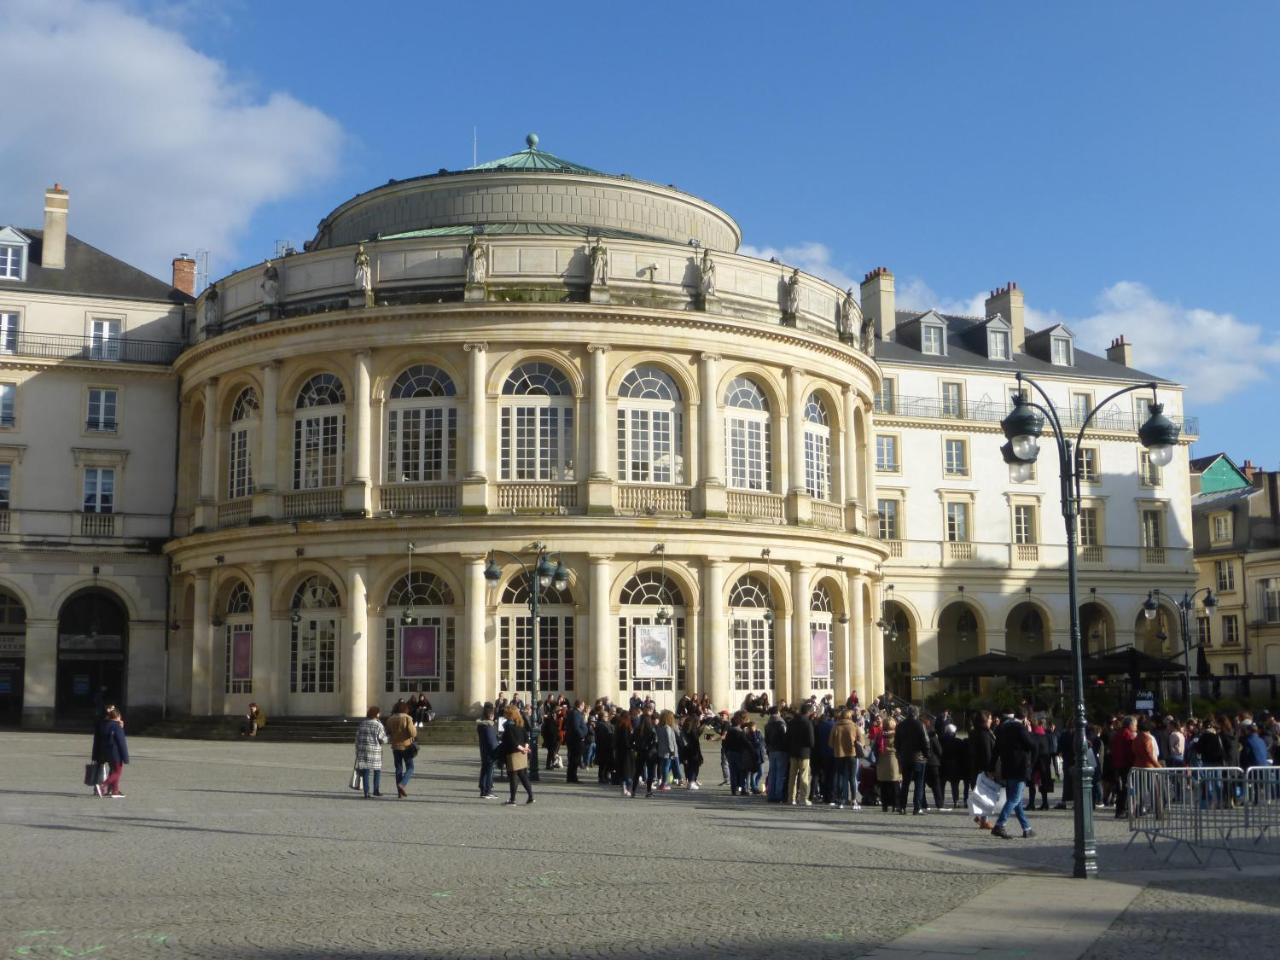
x,y
247,849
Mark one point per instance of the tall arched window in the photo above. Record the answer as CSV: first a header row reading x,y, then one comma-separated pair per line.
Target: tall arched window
x,y
817,448
555,639
313,642
537,424
239,640
422,427
318,428
822,648
421,634
748,460
650,428
643,596
244,416
751,633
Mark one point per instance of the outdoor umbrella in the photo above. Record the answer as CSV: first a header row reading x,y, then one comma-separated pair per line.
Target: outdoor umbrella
x,y
983,665
1051,663
1132,661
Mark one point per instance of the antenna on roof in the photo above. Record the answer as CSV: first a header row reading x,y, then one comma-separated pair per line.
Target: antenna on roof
x,y
202,269
474,143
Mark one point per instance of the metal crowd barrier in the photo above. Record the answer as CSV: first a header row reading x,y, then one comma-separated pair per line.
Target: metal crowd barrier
x,y
1205,808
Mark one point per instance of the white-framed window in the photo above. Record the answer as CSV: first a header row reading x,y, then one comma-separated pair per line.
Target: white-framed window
x,y
1204,632
955,457
887,453
99,490
536,424
1226,574
1087,464
887,398
6,486
888,523
997,345
244,415
747,441
817,448
1220,527
822,631
318,433
1230,630
238,630
1149,475
8,404
1060,351
313,639
1153,528
104,339
420,611
422,426
932,340
1231,669
102,408
650,427
13,261
8,331
1024,523
1081,404
1269,594
556,641
953,400
751,634
957,512
641,598
1088,527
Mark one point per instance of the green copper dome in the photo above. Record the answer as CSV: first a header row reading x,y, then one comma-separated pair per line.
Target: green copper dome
x,y
533,159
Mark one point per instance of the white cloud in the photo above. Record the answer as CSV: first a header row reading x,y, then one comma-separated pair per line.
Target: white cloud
x,y
162,150
814,258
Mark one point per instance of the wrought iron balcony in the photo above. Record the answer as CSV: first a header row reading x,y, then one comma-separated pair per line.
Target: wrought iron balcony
x,y
991,411
69,346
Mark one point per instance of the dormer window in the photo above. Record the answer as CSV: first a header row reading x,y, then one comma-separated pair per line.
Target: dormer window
x,y
998,344
932,340
13,254
1061,347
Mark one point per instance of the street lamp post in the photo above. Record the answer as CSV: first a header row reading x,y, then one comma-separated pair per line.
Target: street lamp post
x,y
1188,603
1022,428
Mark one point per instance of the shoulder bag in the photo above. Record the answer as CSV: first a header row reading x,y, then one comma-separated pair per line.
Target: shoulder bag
x,y
356,782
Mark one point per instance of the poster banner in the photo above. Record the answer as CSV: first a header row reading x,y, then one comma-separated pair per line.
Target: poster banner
x,y
652,651
242,655
820,651
418,653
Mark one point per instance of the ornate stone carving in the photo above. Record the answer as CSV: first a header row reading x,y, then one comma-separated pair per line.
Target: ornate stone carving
x,y
477,261
791,297
212,308
707,276
364,275
270,286
599,264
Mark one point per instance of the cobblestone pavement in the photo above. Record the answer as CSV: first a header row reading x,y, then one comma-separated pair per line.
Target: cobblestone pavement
x,y
254,849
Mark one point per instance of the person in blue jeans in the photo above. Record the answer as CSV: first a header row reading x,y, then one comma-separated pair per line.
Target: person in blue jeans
x,y
1015,751
775,742
487,736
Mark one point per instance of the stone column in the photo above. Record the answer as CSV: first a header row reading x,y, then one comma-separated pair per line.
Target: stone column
x,y
475,482
875,655
356,669
715,647
201,649
267,686
783,687
40,684
601,478
801,655
206,505
356,499
856,676
604,678
692,651
850,481
266,498
472,650
711,455
795,426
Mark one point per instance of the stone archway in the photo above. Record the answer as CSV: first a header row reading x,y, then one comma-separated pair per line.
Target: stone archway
x,y
1097,628
93,654
13,637
1025,631
899,650
959,634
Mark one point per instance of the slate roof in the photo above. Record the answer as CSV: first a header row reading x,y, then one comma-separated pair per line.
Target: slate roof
x,y
90,272
966,347
533,159
1201,464
1223,498
523,229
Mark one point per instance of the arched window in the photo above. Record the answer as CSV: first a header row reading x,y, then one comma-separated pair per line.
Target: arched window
x,y
555,639
313,644
318,428
817,448
244,417
651,653
422,427
751,633
421,635
239,638
650,428
748,464
537,424
822,647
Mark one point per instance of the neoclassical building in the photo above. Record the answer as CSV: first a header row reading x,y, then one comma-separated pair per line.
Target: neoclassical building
x,y
523,355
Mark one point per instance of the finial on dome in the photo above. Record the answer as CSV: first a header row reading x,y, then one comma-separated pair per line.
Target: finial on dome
x,y
532,141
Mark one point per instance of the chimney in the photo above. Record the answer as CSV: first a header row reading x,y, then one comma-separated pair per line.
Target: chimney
x,y
1249,469
876,294
1007,301
184,274
1120,351
54,248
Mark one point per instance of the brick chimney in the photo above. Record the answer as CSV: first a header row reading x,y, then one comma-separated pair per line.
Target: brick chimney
x,y
1120,351
1249,469
53,255
184,274
878,306
1007,301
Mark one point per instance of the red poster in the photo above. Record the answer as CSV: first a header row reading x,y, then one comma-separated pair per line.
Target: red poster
x,y
418,653
242,655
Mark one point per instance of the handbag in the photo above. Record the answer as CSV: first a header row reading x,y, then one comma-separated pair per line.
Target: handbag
x,y
356,782
411,750
94,774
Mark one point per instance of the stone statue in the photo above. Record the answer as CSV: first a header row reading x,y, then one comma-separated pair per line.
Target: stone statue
x,y
212,308
270,286
477,260
364,275
707,276
599,264
791,296
844,327
868,337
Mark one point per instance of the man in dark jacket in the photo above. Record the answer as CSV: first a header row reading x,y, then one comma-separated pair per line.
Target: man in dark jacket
x,y
575,736
912,745
605,765
775,742
1016,752
800,740
487,735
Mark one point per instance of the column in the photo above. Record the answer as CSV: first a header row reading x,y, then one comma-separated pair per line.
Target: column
x,y
795,427
475,482
267,686
692,651
711,454
201,649
801,655
850,447
40,682
875,655
206,507
356,682
266,499
715,647
604,677
357,496
600,479
471,651
856,675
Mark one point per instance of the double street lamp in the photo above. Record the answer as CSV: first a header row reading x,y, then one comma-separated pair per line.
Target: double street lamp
x,y
1022,429
1188,603
538,577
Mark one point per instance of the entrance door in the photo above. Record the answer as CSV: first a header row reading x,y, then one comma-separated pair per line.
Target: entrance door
x,y
92,656
313,668
13,650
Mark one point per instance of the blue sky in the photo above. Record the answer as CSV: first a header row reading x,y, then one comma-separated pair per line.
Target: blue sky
x,y
1117,160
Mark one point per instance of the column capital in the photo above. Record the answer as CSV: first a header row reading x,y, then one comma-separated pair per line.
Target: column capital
x,y
798,566
597,559
711,357
797,372
364,354
479,346
264,566
270,365
210,382
201,575
598,348
474,557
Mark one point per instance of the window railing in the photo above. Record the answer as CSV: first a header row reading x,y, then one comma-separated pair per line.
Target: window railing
x,y
1154,555
4,520
69,346
234,513
97,525
761,507
312,503
829,516
537,496
991,411
100,426
959,550
654,499
1091,553
1027,552
419,497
